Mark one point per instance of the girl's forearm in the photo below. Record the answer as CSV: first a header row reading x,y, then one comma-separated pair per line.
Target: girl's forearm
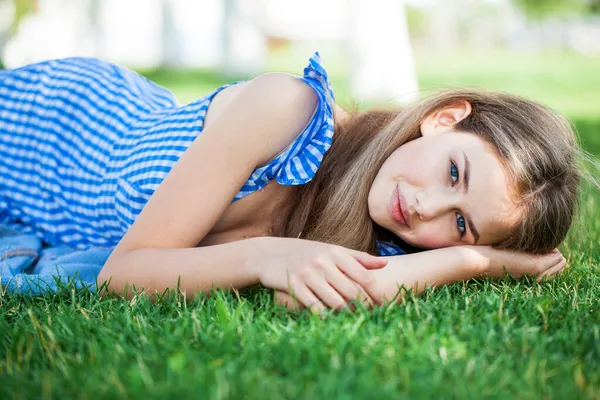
x,y
200,268
429,268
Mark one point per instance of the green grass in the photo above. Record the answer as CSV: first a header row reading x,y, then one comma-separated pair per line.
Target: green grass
x,y
478,339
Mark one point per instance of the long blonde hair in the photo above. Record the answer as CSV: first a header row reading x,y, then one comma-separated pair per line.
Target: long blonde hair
x,y
537,147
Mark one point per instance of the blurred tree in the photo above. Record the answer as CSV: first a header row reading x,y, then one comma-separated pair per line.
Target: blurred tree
x,y
20,8
538,9
593,6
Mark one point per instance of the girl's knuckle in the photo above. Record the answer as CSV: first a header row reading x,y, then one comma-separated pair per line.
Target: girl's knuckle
x,y
321,262
336,252
305,273
294,279
539,268
367,279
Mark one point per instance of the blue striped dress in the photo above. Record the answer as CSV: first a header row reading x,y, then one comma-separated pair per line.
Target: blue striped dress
x,y
85,143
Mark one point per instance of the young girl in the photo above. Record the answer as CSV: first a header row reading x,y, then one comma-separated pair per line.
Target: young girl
x,y
270,182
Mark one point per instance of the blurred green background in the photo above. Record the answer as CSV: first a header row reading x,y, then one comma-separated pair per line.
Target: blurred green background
x,y
565,81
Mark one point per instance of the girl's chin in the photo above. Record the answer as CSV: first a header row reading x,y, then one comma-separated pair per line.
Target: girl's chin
x,y
410,246
404,237
408,240
415,243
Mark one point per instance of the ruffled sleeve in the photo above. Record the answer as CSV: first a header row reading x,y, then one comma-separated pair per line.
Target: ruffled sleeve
x,y
305,155
299,162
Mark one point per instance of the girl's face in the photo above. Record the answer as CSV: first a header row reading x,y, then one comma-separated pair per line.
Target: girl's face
x,y
443,189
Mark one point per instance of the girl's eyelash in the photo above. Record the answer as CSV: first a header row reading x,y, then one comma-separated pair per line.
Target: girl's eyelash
x,y
453,167
462,229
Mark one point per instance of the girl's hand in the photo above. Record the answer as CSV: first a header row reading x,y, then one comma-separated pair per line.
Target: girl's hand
x,y
318,275
517,263
284,299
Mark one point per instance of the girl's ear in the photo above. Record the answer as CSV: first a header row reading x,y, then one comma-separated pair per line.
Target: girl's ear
x,y
445,118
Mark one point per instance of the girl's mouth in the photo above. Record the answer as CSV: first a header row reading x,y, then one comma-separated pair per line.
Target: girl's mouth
x,y
396,209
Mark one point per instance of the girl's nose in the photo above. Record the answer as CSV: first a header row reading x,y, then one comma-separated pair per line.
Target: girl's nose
x,y
431,203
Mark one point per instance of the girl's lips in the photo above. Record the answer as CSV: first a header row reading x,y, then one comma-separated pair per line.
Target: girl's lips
x,y
397,208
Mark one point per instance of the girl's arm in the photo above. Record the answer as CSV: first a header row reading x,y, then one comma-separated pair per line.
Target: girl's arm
x,y
415,272
453,264
261,121
432,268
197,268
428,268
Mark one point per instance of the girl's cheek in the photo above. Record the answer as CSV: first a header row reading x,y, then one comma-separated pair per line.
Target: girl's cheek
x,y
431,237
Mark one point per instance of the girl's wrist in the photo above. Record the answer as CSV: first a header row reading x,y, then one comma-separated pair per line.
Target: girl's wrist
x,y
478,258
255,248
258,249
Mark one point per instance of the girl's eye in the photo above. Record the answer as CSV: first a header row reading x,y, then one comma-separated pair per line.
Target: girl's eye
x,y
453,173
460,223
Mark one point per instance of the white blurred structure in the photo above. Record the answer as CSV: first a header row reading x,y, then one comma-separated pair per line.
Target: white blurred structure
x,y
307,20
228,34
60,29
243,42
374,35
137,33
381,54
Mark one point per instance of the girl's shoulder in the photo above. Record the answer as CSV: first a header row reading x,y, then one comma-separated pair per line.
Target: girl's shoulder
x,y
299,161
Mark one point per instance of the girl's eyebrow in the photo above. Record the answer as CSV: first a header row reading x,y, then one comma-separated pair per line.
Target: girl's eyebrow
x,y
466,179
467,172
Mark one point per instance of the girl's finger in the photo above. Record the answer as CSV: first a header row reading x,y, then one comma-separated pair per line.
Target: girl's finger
x,y
353,269
305,296
361,295
367,260
550,273
283,299
355,272
371,262
323,290
345,285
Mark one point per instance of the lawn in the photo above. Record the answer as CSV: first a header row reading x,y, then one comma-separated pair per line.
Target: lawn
x,y
478,339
